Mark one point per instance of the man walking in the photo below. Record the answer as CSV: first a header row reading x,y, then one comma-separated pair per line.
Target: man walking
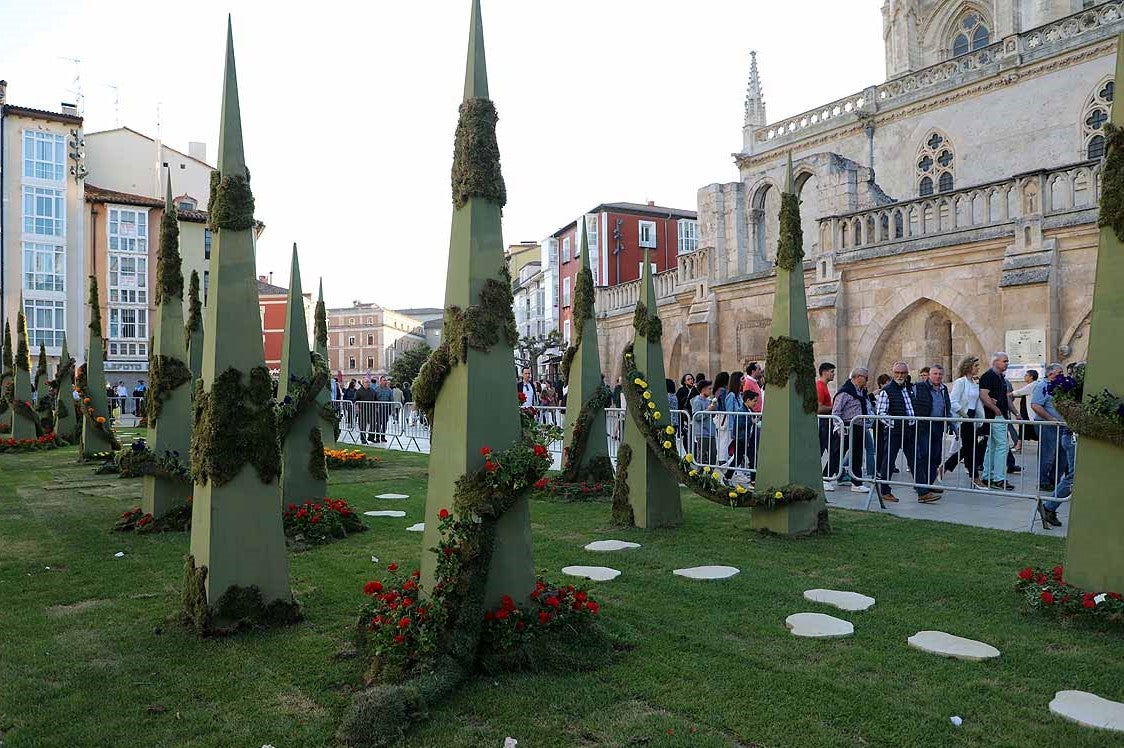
x,y
823,398
852,401
997,406
930,400
526,388
1057,451
384,399
894,399
365,410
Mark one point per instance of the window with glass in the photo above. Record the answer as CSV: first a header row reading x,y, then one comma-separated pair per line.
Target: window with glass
x,y
566,249
128,230
44,155
648,234
936,165
688,236
565,292
46,322
1093,119
207,238
971,33
351,363
592,235
44,267
44,211
128,279
128,332
206,284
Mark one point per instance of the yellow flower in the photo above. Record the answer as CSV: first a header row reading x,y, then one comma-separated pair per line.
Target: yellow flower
x,y
707,470
652,406
778,495
647,395
740,489
689,458
693,473
669,430
638,382
667,445
733,495
656,415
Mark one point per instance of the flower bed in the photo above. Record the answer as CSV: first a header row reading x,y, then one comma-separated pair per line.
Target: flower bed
x,y
137,461
47,441
319,522
348,459
557,489
1049,591
178,519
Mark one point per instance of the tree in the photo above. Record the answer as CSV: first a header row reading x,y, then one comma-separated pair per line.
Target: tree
x,y
408,363
531,348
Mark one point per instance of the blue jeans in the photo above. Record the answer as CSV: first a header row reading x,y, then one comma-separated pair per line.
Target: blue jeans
x,y
1067,461
995,458
1048,454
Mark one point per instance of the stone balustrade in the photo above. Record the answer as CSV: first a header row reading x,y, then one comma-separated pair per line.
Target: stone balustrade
x,y
691,269
1099,21
1038,194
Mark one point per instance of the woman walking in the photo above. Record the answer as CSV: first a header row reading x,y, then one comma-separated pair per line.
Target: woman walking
x,y
966,404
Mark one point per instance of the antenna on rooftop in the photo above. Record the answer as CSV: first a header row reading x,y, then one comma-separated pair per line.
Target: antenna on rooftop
x,y
77,85
116,104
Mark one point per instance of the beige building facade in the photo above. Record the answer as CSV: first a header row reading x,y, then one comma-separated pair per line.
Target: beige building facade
x,y
949,210
364,338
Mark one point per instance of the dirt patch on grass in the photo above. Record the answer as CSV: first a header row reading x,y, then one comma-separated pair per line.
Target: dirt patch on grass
x,y
296,703
59,611
18,550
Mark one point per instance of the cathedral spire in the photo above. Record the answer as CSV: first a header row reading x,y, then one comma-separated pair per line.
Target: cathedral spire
x,y
754,96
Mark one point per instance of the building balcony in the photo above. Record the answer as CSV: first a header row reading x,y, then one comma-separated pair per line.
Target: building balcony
x,y
692,273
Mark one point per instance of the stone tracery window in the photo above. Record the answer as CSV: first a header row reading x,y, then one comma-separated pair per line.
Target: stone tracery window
x,y
936,165
970,33
1093,119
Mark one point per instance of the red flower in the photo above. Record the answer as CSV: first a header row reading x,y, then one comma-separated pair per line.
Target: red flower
x,y
407,602
506,602
544,618
392,567
577,605
410,585
449,551
443,514
416,573
1088,602
541,451
399,639
1048,597
593,607
541,482
1026,573
491,467
522,398
1114,595
372,588
581,597
552,601
485,451
1040,579
315,518
302,513
1058,573
502,614
520,625
404,623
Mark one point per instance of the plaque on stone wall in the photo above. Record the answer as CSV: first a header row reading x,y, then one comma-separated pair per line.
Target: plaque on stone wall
x,y
1026,349
752,338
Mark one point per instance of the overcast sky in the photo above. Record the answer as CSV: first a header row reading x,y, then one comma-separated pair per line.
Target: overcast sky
x,y
349,108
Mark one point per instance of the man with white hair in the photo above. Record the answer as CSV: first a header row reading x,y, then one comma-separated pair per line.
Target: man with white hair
x,y
997,407
850,402
894,435
930,400
1055,444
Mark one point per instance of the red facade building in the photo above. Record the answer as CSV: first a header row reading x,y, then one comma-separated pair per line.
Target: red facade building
x,y
272,300
620,235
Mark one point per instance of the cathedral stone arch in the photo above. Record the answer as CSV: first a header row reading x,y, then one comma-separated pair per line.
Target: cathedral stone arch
x,y
935,164
956,27
936,328
675,362
807,186
1075,342
765,220
1094,115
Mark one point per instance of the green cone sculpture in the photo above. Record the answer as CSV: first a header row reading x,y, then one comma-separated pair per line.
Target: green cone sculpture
x,y
193,330
585,450
304,474
168,397
1094,551
25,424
97,435
653,492
39,385
789,452
329,419
65,424
237,539
476,403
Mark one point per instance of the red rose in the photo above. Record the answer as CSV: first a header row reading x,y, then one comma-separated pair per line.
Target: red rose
x,y
1040,579
404,623
485,451
544,618
522,398
407,602
1048,597
372,588
540,451
552,601
315,518
592,607
506,602
502,614
399,639
581,597
1088,603
410,585
416,573
1026,573
443,514
392,567
491,467
1058,573
541,482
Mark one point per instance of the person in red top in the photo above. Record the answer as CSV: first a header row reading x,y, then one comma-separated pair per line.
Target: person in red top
x,y
754,373
823,396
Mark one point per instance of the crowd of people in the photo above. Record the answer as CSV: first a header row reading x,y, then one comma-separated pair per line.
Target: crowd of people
x,y
982,415
372,420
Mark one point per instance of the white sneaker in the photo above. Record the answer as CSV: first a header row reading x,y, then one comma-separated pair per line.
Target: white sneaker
x,y
860,489
829,485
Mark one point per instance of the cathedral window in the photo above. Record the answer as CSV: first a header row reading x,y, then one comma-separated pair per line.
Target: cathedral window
x,y
936,161
970,34
1093,119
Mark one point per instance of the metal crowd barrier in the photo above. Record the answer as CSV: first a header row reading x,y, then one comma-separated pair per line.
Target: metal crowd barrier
x,y
730,440
923,454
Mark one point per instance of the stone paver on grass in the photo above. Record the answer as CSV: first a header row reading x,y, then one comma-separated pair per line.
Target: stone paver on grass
x,y
418,527
610,545
394,496
818,626
707,572
1089,709
595,573
385,513
851,601
950,645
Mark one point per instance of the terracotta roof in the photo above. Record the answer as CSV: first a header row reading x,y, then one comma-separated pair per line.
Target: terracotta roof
x,y
271,290
635,208
192,216
96,194
23,111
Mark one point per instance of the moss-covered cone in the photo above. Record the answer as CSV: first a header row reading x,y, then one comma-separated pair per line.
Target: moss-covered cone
x,y
329,426
96,434
65,422
25,424
193,329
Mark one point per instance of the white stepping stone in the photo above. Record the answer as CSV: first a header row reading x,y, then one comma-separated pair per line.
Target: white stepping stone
x,y
818,626
419,527
385,513
948,645
610,545
392,496
596,573
851,601
1089,710
707,572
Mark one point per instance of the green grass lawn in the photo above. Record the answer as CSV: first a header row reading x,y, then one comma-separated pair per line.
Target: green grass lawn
x,y
87,660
